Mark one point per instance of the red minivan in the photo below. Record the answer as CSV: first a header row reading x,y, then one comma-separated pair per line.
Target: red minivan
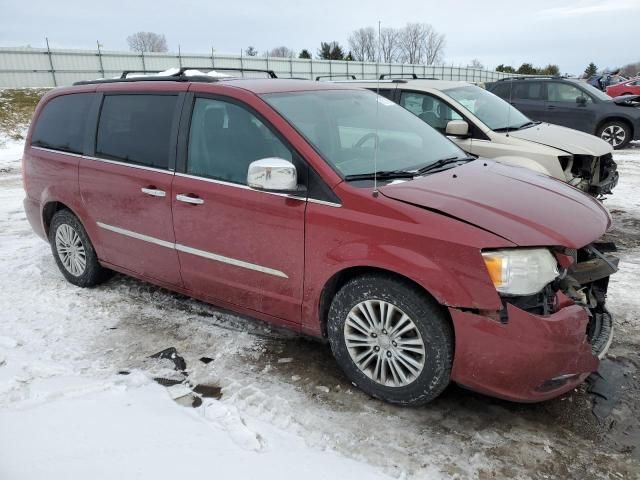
x,y
332,211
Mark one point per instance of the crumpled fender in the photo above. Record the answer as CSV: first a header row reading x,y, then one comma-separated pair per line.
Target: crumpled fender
x,y
526,163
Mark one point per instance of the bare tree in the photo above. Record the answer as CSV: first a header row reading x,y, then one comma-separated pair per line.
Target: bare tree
x,y
475,63
363,43
434,46
420,43
147,42
282,52
412,38
389,44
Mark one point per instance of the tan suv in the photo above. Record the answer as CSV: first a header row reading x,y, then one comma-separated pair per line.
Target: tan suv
x,y
483,124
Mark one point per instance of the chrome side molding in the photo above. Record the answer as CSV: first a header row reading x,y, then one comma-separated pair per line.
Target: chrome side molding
x,y
194,251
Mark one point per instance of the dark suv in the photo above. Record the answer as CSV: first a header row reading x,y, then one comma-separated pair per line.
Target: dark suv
x,y
573,104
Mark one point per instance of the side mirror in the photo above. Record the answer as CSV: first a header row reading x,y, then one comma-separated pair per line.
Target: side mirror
x,y
273,175
457,128
581,100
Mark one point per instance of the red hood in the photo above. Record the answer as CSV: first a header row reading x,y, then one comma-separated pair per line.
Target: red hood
x,y
522,206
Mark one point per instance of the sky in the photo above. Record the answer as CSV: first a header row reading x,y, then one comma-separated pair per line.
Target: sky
x,y
569,33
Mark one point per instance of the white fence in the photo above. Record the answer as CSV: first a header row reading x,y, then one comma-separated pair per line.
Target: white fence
x,y
43,67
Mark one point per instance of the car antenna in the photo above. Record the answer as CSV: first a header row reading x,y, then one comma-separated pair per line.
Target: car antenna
x,y
510,104
375,145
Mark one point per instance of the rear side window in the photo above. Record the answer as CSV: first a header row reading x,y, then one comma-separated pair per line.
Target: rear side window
x,y
136,129
528,91
61,124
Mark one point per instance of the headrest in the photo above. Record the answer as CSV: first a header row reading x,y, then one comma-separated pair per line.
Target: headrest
x,y
214,118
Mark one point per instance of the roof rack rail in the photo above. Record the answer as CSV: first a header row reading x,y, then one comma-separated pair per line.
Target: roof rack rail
x,y
529,77
125,73
178,76
269,72
337,75
413,76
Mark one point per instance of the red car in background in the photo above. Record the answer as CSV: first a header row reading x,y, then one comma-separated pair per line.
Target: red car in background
x,y
629,87
332,211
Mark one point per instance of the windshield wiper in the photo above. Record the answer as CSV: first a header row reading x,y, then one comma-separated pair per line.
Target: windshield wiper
x,y
527,125
513,128
443,163
382,175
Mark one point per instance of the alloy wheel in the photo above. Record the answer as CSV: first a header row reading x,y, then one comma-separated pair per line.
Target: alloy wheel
x,y
71,250
384,343
614,134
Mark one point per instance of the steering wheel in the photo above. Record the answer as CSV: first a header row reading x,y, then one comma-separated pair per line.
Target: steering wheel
x,y
364,139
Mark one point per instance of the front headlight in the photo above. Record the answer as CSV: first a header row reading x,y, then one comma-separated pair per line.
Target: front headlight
x,y
521,271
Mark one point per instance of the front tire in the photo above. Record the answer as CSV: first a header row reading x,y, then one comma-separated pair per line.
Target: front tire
x,y
73,251
617,134
391,340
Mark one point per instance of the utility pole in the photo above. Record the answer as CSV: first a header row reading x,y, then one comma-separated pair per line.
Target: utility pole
x,y
100,58
53,72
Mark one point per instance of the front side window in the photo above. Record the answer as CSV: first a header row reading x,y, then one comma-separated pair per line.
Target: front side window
x,y
61,124
225,138
136,129
594,92
429,109
493,111
345,125
565,93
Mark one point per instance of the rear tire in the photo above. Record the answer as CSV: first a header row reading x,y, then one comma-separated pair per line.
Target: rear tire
x,y
615,133
391,340
73,251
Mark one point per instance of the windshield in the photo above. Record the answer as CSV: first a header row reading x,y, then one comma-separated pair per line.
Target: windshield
x,y
493,111
341,125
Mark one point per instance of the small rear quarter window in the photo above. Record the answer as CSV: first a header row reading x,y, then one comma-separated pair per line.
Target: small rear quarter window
x,y
62,122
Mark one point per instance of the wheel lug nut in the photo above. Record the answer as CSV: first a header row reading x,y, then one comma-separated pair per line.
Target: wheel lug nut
x,y
384,331
388,353
374,335
376,348
394,344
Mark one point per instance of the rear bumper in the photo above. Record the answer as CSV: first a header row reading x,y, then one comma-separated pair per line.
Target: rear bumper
x,y
32,209
530,358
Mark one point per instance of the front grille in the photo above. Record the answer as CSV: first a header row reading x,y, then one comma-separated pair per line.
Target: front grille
x,y
541,303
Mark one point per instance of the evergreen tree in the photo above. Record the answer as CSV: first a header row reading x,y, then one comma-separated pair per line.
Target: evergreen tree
x,y
330,51
304,54
551,70
505,68
527,69
590,70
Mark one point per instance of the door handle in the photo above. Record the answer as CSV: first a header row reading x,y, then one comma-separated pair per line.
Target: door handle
x,y
189,199
153,191
551,107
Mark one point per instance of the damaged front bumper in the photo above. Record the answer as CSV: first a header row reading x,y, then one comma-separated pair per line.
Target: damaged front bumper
x,y
595,175
541,346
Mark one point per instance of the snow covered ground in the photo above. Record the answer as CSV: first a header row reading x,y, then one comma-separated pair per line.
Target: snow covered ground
x,y
78,399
